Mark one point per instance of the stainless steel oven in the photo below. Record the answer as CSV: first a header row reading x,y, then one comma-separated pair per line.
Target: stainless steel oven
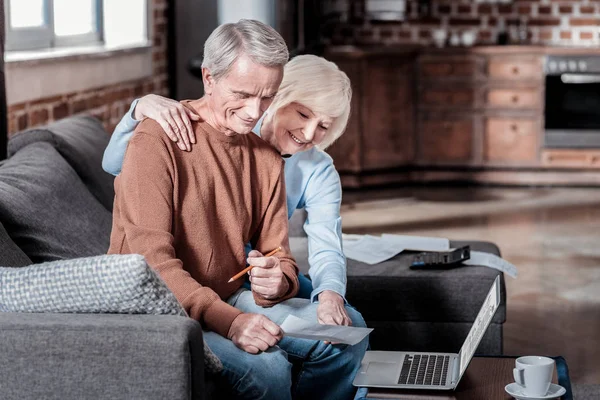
x,y
572,106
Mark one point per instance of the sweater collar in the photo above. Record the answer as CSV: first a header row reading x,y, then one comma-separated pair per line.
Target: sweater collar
x,y
212,132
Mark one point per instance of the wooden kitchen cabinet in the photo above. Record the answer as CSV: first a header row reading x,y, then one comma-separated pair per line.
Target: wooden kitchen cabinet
x,y
381,130
460,114
444,97
499,99
449,92
513,111
514,98
346,151
512,68
571,158
388,113
446,140
450,67
511,140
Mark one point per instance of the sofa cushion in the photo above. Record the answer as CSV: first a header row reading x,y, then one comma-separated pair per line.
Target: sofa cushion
x,y
122,284
53,356
10,254
47,210
81,140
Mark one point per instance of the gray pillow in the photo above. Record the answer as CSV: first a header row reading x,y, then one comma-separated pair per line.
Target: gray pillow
x,y
10,254
81,140
123,284
47,210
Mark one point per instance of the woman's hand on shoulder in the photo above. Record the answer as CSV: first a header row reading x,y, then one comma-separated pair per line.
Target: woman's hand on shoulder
x,y
171,115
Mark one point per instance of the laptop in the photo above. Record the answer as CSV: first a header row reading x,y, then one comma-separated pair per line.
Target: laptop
x,y
438,371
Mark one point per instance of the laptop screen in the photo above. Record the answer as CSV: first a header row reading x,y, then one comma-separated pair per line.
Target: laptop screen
x,y
487,311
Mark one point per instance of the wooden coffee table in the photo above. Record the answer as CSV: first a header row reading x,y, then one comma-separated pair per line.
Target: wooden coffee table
x,y
485,378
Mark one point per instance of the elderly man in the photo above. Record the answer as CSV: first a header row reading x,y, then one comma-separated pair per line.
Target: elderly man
x,y
190,213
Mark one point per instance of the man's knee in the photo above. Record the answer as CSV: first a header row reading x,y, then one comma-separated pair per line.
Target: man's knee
x,y
360,348
267,373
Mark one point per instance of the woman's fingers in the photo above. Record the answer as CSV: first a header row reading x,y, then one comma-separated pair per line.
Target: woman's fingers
x,y
191,116
187,131
181,129
164,123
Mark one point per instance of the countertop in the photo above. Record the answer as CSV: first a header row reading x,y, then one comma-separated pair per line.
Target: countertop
x,y
362,51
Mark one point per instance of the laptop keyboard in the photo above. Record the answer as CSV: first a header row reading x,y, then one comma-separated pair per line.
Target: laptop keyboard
x,y
424,370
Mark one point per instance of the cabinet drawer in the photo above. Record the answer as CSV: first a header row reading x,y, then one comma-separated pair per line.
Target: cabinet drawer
x,y
571,158
514,98
511,139
447,97
515,69
446,141
448,69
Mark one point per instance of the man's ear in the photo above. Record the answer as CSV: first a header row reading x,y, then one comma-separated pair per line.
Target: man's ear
x,y
208,80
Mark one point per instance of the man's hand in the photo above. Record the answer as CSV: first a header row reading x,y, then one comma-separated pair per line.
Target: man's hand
x,y
331,310
171,115
266,278
254,332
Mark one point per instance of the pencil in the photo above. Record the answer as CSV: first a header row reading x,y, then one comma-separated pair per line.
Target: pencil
x,y
249,267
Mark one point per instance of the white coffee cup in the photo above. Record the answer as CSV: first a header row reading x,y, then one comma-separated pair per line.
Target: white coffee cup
x,y
534,374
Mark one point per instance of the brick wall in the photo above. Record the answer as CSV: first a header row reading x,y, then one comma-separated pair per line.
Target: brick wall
x,y
108,103
548,22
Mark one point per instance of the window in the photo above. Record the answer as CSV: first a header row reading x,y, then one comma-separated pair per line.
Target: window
x,y
44,24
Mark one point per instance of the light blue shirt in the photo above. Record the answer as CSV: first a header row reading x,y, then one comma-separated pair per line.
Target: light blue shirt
x,y
312,183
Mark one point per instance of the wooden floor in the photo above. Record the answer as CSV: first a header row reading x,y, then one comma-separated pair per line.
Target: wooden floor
x,y
551,235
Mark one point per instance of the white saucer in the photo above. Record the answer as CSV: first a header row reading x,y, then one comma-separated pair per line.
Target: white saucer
x,y
553,392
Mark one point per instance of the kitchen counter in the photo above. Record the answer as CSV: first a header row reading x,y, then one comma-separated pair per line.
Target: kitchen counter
x,y
476,114
361,51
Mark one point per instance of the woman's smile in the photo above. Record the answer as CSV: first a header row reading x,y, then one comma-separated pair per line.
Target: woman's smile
x,y
295,139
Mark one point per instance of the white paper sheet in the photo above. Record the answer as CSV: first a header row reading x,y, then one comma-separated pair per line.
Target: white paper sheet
x,y
370,249
300,328
418,242
492,261
374,249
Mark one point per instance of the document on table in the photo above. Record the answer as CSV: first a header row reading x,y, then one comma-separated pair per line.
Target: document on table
x,y
370,249
300,328
492,261
374,249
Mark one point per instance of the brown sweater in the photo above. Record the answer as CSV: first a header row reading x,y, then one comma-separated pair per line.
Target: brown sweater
x,y
190,213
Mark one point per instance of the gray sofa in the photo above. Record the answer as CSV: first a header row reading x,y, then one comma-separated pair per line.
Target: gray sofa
x,y
56,202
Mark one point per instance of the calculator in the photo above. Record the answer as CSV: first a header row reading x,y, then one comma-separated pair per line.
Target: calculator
x,y
440,259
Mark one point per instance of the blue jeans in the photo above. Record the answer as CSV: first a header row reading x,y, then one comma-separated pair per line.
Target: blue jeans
x,y
294,368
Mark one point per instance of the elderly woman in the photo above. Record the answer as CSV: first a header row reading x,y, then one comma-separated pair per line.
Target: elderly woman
x,y
309,113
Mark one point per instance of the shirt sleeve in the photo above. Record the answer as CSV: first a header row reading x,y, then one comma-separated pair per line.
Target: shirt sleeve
x,y
145,199
273,232
112,161
322,200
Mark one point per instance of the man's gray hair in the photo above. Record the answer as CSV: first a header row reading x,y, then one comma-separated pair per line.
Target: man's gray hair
x,y
258,41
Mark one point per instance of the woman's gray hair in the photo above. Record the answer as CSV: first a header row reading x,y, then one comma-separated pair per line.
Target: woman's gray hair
x,y
258,41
